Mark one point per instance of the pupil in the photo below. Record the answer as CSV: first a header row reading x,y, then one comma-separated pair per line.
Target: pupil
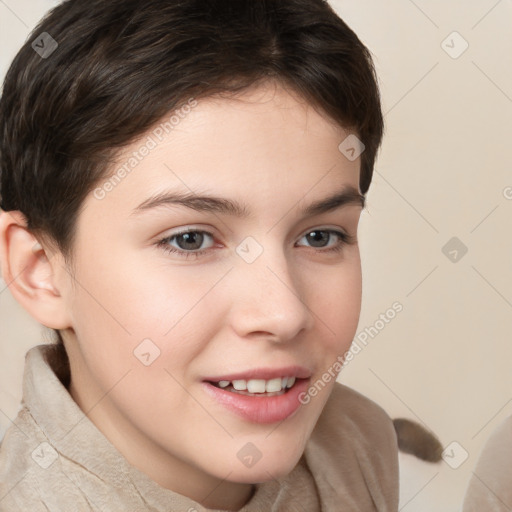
x,y
196,239
318,236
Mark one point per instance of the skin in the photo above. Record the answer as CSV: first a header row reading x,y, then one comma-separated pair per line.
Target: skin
x,y
209,315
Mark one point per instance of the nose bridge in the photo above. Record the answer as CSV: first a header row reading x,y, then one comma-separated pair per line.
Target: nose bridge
x,y
268,296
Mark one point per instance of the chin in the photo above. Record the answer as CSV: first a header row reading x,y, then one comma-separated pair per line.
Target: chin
x,y
272,468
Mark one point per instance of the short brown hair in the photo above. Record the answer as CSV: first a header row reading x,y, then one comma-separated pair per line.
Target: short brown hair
x,y
122,65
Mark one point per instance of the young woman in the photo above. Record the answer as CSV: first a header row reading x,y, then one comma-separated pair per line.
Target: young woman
x,y
181,185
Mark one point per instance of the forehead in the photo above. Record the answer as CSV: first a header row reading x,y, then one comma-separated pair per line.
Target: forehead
x,y
262,145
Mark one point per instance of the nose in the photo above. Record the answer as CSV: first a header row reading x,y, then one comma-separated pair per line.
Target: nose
x,y
268,300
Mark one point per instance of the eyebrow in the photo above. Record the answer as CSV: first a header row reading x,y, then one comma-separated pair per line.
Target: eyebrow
x,y
205,203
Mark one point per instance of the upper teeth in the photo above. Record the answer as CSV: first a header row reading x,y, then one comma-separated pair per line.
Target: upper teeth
x,y
260,385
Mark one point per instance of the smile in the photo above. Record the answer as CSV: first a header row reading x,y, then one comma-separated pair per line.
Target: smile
x,y
260,395
254,387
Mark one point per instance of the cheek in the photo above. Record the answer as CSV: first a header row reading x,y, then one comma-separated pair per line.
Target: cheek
x,y
120,304
337,306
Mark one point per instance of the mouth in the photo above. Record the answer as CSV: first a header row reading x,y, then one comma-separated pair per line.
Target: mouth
x,y
260,395
257,387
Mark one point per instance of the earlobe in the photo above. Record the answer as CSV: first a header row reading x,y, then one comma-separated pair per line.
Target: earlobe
x,y
28,272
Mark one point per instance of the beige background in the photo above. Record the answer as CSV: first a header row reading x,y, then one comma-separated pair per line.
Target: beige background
x,y
443,172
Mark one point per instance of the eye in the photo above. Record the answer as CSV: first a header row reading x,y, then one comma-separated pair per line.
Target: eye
x,y
320,238
187,243
194,243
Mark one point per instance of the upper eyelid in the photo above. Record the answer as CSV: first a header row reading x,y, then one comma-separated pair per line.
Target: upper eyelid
x,y
209,232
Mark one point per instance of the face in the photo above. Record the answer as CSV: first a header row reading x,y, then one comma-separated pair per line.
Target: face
x,y
175,301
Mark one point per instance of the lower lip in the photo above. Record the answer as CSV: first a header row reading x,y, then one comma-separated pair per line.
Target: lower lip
x,y
260,409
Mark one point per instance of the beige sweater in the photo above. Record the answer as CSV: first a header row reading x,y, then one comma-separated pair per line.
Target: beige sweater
x,y
53,458
490,486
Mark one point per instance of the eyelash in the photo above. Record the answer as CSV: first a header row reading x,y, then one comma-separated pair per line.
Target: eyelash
x,y
345,239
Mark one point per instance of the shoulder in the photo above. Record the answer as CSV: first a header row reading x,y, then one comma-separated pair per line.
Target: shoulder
x,y
355,406
354,440
20,437
21,440
490,485
33,474
348,412
19,458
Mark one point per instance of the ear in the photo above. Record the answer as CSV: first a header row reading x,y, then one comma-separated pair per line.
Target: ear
x,y
28,272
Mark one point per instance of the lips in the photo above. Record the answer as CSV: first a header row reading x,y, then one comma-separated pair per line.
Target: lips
x,y
263,395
